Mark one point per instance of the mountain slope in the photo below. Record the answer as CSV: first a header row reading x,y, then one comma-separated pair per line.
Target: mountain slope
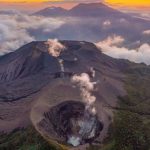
x,y
32,61
52,11
32,89
31,71
94,10
90,10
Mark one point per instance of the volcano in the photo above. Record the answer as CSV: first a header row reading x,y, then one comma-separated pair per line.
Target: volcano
x,y
52,11
95,22
81,10
32,86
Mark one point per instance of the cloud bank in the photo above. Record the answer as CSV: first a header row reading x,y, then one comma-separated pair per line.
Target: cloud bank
x,y
15,30
112,47
146,32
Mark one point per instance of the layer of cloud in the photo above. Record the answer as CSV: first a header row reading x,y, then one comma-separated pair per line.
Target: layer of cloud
x,y
15,30
110,47
113,40
146,32
9,11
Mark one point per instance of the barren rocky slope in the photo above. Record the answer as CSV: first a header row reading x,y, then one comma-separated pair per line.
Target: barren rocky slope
x,y
32,85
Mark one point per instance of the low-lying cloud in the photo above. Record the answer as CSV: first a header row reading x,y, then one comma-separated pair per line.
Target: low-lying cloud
x,y
112,40
146,32
15,30
112,47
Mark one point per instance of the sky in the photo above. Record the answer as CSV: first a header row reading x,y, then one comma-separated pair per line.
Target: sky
x,y
140,3
38,4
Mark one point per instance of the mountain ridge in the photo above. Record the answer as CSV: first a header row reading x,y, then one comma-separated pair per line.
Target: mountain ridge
x,y
82,9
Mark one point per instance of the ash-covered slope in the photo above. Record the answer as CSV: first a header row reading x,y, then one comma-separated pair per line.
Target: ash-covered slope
x,y
33,90
30,72
28,69
22,70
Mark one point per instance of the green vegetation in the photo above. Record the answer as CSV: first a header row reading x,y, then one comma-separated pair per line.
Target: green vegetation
x,y
131,127
129,131
25,139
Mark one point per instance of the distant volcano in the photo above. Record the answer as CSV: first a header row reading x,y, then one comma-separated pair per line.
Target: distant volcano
x,y
95,22
91,9
52,11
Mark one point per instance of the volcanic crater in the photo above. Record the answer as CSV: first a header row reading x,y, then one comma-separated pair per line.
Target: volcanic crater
x,y
71,123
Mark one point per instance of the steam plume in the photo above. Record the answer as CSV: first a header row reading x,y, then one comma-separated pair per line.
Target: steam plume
x,y
86,87
92,72
88,123
61,62
55,48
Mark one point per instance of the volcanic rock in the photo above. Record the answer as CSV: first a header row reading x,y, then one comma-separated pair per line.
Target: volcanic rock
x,y
32,89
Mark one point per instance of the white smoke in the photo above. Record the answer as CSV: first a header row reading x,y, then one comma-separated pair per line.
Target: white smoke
x,y
87,127
86,87
93,73
110,47
74,140
87,124
55,48
61,62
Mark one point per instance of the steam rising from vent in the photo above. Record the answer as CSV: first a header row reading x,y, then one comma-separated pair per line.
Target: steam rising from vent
x,y
55,48
92,72
86,124
86,87
61,62
75,141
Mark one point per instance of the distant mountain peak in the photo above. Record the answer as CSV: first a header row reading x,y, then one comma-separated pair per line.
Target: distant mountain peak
x,y
51,11
91,4
54,7
92,9
82,9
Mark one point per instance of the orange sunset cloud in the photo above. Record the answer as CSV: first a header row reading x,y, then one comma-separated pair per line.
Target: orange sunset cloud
x,y
119,2
130,2
38,4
